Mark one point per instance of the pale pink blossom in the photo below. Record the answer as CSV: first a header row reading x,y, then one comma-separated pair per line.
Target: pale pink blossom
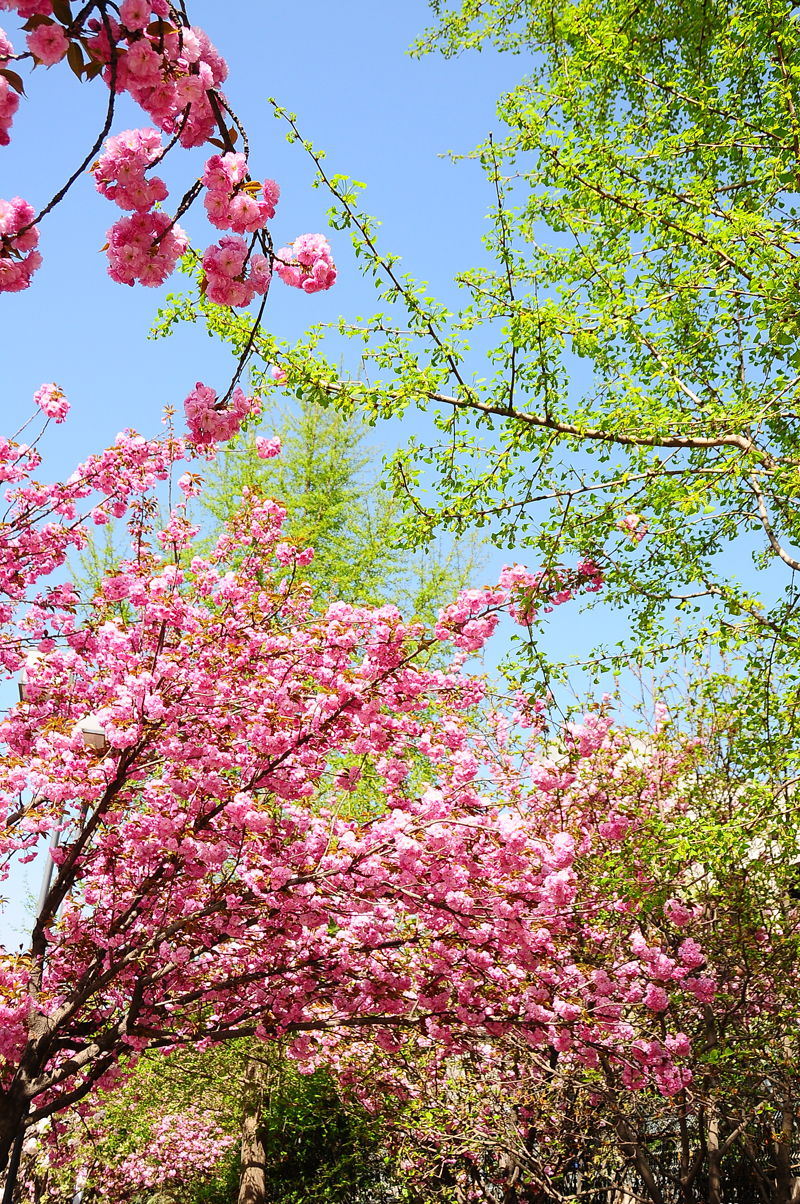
x,y
307,264
266,449
51,400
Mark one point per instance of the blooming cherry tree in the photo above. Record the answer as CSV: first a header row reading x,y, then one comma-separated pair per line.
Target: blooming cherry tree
x,y
277,822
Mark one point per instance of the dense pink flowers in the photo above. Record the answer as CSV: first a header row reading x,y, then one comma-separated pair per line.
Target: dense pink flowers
x,y
174,74
206,423
231,204
181,1150
119,172
266,449
9,100
307,264
168,73
230,277
18,240
48,43
51,400
144,247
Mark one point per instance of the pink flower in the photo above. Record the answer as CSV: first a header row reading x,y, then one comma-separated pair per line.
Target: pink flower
x,y
278,375
119,172
115,588
9,101
704,989
228,206
677,913
679,1044
634,526
48,43
208,423
266,449
223,172
52,401
135,14
17,235
144,247
272,195
224,266
307,264
691,954
655,998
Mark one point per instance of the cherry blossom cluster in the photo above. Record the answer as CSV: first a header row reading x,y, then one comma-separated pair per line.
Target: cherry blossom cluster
x,y
19,238
174,73
218,692
182,1149
119,172
52,402
144,247
9,100
169,71
307,264
634,526
472,618
43,522
210,422
231,275
230,201
205,840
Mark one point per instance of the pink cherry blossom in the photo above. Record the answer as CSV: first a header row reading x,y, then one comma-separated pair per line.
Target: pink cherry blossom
x,y
52,401
208,422
48,43
227,279
266,449
307,264
18,239
634,526
119,172
144,247
9,100
655,998
135,14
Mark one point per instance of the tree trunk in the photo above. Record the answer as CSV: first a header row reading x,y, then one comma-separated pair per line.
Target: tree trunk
x,y
714,1173
13,1111
253,1180
786,1185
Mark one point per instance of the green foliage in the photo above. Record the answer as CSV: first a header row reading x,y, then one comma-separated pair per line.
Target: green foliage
x,y
324,478
319,1143
318,1146
644,293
